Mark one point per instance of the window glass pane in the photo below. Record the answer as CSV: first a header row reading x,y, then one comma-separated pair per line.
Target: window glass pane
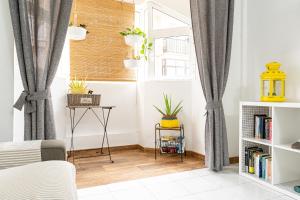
x,y
163,21
266,85
172,57
277,88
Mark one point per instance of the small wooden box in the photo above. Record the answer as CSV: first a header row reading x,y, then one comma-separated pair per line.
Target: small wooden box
x,y
83,100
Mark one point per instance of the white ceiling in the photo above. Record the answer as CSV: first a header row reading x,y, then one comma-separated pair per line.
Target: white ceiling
x,y
181,6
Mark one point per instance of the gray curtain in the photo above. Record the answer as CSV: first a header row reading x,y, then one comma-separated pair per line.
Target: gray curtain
x,y
40,28
212,22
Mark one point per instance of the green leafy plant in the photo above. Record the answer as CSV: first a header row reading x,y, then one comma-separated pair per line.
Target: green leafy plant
x,y
169,113
133,31
146,44
146,47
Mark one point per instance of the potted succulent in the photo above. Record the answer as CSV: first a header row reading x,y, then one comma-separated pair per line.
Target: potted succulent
x,y
169,115
78,86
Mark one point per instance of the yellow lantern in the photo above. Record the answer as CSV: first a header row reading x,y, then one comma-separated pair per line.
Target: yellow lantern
x,y
272,85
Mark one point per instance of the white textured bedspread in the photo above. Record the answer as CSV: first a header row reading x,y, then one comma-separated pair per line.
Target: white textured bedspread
x,y
13,154
53,180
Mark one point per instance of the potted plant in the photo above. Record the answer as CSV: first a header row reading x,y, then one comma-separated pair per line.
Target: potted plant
x,y
169,115
77,32
78,87
133,36
146,47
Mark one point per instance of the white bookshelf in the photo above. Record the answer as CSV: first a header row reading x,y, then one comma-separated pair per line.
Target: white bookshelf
x,y
285,131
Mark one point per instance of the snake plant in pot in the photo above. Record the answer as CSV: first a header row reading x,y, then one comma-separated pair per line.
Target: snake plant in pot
x,y
169,114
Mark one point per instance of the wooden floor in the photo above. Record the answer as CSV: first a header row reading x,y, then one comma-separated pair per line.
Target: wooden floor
x,y
129,165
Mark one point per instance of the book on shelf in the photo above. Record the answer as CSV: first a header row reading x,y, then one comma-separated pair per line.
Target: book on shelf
x,y
256,158
252,153
258,163
262,127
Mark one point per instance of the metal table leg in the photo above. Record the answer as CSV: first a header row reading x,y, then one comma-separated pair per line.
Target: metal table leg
x,y
104,124
73,126
105,133
181,143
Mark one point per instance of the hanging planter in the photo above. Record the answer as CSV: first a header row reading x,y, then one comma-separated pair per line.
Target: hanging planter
x,y
133,40
132,63
77,32
136,38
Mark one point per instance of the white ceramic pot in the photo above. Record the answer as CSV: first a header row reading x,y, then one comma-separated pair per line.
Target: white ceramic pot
x,y
76,33
133,40
132,63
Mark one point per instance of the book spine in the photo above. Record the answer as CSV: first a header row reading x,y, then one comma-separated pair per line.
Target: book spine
x,y
270,169
266,129
260,167
246,160
256,132
251,164
263,168
260,128
270,131
263,134
257,165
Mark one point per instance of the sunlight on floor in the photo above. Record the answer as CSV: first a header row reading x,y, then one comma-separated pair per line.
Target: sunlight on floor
x,y
199,184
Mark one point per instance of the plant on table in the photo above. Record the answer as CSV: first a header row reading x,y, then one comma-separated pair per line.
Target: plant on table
x,y
78,86
169,114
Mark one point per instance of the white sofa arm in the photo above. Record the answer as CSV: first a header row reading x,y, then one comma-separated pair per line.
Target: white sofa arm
x,y
42,180
14,154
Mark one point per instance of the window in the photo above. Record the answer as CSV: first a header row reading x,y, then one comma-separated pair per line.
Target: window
x,y
172,55
163,21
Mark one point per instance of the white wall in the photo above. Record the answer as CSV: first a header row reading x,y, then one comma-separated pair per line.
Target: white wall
x,y
232,93
122,126
272,34
153,95
6,73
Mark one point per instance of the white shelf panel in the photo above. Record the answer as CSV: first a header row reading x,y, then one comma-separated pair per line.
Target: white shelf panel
x,y
258,141
272,104
285,160
288,187
286,147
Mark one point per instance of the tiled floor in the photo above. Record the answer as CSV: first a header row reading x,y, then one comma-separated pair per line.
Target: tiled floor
x,y
200,184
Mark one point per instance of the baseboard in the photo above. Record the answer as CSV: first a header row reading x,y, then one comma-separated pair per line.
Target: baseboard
x,y
234,160
92,141
95,151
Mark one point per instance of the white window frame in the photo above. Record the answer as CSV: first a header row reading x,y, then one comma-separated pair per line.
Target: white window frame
x,y
150,73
